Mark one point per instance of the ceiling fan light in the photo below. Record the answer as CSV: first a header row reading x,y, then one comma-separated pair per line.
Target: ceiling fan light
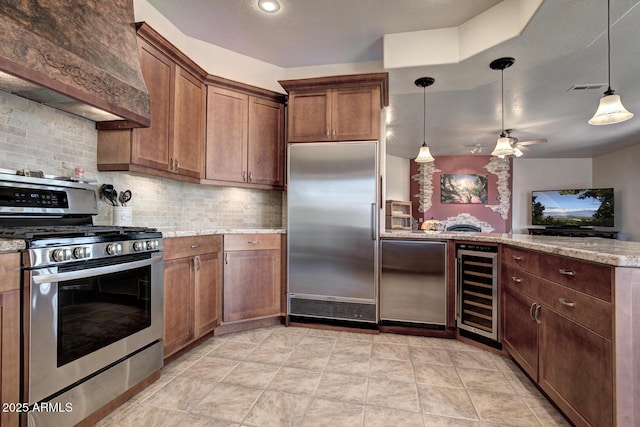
x,y
503,147
610,111
424,155
517,152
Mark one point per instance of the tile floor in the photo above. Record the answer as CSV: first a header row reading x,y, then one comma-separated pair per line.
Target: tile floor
x,y
292,376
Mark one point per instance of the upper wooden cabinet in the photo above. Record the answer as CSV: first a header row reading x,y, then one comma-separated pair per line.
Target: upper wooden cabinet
x,y
245,139
339,108
173,146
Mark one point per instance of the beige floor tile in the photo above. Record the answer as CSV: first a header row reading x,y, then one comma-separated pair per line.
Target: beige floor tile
x,y
545,412
391,339
393,394
318,344
266,353
228,402
277,409
211,368
182,393
484,379
250,374
343,387
144,415
440,375
307,359
397,370
472,359
180,364
446,401
255,336
435,356
522,385
503,408
349,364
202,421
329,413
295,380
233,350
428,342
282,339
357,336
324,333
208,345
385,417
438,421
144,394
390,351
354,347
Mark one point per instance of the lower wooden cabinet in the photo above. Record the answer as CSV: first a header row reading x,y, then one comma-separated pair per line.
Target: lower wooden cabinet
x,y
192,289
9,336
520,332
252,276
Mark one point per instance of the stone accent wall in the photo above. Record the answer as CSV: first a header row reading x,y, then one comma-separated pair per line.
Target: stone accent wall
x,y
37,137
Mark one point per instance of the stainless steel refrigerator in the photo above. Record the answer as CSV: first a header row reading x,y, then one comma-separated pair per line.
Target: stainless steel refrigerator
x,y
333,230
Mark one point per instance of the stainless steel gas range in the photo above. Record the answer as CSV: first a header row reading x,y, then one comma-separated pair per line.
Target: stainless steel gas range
x,y
92,299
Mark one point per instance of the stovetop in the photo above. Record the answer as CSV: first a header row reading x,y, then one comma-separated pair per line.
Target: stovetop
x,y
51,232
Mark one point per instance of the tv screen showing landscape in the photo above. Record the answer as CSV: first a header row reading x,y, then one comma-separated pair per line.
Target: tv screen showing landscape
x,y
589,207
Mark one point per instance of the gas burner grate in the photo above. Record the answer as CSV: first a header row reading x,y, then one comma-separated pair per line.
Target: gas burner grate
x,y
42,233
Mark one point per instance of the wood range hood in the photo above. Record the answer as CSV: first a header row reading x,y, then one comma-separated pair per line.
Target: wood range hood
x,y
79,56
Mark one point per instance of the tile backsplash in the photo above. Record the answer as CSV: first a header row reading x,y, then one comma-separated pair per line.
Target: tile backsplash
x,y
37,137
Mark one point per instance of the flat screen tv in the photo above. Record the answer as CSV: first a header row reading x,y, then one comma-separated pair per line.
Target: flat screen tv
x,y
575,208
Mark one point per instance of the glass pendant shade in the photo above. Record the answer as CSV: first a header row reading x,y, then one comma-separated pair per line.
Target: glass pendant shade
x,y
424,156
610,110
503,147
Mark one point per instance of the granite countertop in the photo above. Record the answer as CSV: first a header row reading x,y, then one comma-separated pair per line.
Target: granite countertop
x,y
181,232
605,251
11,245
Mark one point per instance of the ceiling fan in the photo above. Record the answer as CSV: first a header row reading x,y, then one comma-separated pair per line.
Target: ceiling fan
x,y
518,145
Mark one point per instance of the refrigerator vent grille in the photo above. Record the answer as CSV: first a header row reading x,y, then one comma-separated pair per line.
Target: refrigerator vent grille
x,y
333,310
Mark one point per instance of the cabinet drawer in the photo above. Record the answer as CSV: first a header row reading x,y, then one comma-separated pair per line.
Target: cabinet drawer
x,y
593,313
521,258
592,279
519,280
250,242
181,247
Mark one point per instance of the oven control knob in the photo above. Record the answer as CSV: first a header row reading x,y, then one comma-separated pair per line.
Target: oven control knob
x,y
81,252
152,245
114,248
60,255
139,246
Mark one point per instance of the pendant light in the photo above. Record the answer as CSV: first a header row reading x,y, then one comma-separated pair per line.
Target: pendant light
x,y
424,156
610,110
504,145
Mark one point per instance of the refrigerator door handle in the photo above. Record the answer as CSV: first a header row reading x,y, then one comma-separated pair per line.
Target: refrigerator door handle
x,y
374,221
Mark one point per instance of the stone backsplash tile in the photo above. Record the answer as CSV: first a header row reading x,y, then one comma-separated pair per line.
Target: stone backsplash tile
x,y
37,137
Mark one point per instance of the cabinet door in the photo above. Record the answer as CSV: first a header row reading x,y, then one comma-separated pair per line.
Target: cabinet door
x,y
520,334
9,353
227,124
188,136
251,284
208,277
310,116
151,145
576,370
355,114
265,155
177,304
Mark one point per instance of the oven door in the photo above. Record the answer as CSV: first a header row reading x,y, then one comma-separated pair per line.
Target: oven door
x,y
86,317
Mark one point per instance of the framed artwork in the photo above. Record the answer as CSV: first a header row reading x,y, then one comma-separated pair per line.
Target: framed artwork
x,y
463,188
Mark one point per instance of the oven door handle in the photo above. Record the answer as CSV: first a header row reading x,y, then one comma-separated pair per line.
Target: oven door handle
x,y
82,274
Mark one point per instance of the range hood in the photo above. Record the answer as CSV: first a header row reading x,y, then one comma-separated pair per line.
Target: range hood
x,y
79,56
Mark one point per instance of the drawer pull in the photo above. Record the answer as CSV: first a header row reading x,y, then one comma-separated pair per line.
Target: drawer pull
x,y
531,311
536,314
254,242
567,303
567,272
516,257
195,246
516,279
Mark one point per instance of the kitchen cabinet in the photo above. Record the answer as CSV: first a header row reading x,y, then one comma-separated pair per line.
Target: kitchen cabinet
x,y
558,326
339,108
173,146
9,336
252,276
192,289
245,139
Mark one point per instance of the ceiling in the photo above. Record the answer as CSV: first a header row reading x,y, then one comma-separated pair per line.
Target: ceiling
x,y
564,44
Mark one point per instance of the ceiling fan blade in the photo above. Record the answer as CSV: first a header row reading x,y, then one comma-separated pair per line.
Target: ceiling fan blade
x,y
533,141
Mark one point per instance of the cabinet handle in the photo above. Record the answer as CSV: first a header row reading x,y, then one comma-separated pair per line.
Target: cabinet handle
x,y
531,311
177,165
195,246
254,242
226,258
171,164
334,133
536,314
567,272
244,176
250,177
567,303
328,133
516,279
196,263
516,257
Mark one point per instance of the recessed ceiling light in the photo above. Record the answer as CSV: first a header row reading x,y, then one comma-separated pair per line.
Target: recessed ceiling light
x,y
269,6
